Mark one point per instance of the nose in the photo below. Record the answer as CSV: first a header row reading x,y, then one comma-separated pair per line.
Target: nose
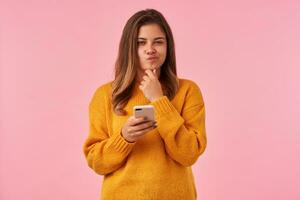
x,y
150,50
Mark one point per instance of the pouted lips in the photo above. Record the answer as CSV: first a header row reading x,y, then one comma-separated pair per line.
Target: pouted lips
x,y
152,58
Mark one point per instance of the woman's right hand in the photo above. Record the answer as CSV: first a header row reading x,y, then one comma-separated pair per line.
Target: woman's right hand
x,y
134,128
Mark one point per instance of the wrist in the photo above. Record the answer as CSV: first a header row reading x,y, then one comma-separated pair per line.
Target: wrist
x,y
126,138
156,98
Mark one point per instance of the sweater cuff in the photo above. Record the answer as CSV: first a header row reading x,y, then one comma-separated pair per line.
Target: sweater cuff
x,y
167,117
162,106
118,143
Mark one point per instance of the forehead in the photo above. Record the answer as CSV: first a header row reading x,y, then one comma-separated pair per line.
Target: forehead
x,y
151,31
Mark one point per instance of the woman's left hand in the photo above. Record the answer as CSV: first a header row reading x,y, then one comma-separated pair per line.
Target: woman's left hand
x,y
151,86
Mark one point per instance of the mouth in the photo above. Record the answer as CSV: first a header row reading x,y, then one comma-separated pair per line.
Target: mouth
x,y
152,58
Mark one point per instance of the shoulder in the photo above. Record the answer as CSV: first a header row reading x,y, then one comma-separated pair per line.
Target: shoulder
x,y
189,86
191,90
103,89
101,93
187,83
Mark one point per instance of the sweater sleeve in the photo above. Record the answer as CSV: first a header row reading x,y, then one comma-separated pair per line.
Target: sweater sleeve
x,y
104,154
184,135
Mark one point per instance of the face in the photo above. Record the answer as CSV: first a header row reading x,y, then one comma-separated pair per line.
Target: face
x,y
152,47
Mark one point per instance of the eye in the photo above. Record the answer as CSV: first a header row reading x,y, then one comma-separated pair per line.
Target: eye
x,y
159,42
141,42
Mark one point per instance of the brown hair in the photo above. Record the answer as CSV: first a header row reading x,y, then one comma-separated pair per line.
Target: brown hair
x,y
127,60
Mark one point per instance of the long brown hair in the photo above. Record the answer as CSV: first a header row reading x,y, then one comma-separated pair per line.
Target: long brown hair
x,y
127,61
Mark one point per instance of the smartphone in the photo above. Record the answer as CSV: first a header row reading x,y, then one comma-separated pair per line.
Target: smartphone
x,y
144,111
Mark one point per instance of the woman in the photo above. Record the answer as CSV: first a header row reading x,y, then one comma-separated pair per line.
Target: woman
x,y
142,159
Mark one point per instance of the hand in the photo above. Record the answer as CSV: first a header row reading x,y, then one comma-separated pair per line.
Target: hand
x,y
134,128
151,86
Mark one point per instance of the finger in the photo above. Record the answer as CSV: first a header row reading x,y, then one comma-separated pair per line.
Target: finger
x,y
143,82
146,78
142,126
130,119
136,120
150,74
154,72
141,123
142,132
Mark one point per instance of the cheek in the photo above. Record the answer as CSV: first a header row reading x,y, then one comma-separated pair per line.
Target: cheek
x,y
140,54
139,51
163,53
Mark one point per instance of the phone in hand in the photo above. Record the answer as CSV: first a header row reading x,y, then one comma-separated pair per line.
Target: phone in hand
x,y
144,111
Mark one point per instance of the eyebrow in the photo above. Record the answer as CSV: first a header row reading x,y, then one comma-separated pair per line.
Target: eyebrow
x,y
141,38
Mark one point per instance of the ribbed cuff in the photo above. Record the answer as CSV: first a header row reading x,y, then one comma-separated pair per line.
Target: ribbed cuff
x,y
163,105
167,117
118,143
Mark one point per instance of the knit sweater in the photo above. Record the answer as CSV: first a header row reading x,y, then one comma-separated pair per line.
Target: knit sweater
x,y
158,165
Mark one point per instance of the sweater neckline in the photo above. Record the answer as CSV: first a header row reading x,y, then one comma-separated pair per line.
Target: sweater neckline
x,y
138,95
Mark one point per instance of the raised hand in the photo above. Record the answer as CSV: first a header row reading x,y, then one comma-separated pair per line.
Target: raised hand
x,y
151,86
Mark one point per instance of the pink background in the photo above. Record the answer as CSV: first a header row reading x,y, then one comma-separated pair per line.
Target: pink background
x,y
243,54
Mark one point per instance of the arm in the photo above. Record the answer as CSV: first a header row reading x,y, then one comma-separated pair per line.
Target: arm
x,y
184,136
104,154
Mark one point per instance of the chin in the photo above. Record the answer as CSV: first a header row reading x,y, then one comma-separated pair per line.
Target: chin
x,y
157,67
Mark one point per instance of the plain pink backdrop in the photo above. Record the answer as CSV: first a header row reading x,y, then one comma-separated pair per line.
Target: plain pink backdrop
x,y
244,55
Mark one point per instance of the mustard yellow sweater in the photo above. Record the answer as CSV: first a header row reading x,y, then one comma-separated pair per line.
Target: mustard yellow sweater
x,y
158,165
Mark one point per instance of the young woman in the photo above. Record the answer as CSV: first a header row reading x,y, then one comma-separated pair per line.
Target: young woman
x,y
142,159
